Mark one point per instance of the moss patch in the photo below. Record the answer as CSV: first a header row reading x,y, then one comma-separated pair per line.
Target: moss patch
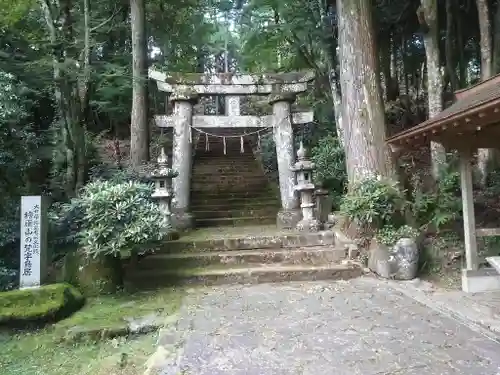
x,y
45,304
38,354
43,353
111,313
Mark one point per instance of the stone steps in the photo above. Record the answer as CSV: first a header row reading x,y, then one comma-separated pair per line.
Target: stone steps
x,y
235,180
226,160
227,175
230,180
234,221
213,194
242,275
212,167
225,241
228,204
251,255
248,211
235,189
314,255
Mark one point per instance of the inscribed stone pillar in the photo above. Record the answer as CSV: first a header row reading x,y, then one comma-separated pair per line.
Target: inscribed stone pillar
x,y
34,257
289,215
181,158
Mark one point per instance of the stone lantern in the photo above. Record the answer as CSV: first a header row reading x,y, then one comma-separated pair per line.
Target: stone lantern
x,y
303,169
163,193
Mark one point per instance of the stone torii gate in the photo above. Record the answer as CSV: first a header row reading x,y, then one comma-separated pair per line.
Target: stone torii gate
x,y
281,91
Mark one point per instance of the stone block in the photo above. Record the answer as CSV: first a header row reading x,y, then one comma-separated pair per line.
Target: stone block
x,y
182,221
288,219
324,204
312,225
398,262
482,280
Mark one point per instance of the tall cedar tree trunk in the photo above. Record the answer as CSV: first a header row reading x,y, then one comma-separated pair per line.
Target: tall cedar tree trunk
x,y
427,16
462,64
449,46
139,127
484,156
363,114
496,41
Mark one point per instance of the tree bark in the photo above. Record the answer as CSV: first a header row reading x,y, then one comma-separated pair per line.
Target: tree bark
x,y
427,13
337,104
496,41
484,156
139,127
462,64
449,50
363,115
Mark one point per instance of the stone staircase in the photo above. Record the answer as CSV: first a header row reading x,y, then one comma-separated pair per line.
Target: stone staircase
x,y
254,255
236,239
230,189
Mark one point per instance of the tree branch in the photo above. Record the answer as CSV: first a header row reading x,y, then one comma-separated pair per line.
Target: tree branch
x,y
106,21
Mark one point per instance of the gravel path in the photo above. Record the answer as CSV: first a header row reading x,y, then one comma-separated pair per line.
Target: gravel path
x,y
361,326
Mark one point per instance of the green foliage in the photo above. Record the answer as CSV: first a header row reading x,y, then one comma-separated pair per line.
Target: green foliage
x,y
65,221
374,203
389,235
19,156
67,218
39,305
118,218
17,153
492,189
117,174
329,157
440,207
268,154
8,277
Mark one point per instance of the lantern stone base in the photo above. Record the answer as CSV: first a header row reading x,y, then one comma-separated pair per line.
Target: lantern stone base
x,y
288,219
311,225
182,220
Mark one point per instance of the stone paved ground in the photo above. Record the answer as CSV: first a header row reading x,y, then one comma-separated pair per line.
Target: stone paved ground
x,y
362,326
480,310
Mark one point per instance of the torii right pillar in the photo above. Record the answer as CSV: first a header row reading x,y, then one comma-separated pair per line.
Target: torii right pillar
x,y
289,214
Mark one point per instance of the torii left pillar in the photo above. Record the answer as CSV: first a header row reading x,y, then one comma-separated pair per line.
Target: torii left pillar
x,y
182,153
289,215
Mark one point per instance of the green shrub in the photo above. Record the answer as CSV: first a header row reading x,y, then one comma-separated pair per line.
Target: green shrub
x,y
389,235
440,207
8,277
492,189
66,219
118,218
329,157
117,174
39,305
374,203
65,222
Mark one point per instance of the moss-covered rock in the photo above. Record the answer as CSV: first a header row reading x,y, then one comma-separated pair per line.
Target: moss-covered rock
x,y
93,276
100,275
47,303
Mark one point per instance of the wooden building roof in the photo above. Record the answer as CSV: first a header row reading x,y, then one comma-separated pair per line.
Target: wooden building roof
x,y
473,120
